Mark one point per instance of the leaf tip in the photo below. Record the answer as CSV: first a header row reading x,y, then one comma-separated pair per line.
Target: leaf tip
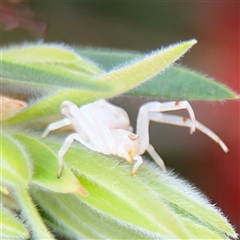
x,y
193,41
190,42
80,190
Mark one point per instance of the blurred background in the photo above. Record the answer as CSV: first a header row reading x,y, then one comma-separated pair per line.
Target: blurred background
x,y
144,26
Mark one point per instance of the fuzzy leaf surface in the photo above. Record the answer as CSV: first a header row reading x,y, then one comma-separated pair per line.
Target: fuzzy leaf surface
x,y
42,55
153,203
45,165
15,165
81,221
11,226
174,83
30,215
106,85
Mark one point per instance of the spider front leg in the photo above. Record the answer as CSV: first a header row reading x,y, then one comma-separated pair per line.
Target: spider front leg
x,y
144,116
156,158
68,142
66,145
186,122
137,164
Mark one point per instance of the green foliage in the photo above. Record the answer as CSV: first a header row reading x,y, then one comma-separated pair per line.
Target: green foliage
x,y
11,226
96,198
15,166
174,83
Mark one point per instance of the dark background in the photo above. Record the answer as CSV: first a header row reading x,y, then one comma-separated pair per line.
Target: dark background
x,y
147,25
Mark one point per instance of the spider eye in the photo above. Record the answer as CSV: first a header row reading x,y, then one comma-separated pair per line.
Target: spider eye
x,y
133,137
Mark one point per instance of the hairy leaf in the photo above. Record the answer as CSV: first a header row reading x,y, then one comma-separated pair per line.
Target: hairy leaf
x,y
59,57
15,164
81,220
107,85
153,203
45,165
30,215
11,226
174,83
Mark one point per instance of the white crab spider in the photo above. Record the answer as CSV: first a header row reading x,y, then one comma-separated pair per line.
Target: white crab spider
x,y
105,128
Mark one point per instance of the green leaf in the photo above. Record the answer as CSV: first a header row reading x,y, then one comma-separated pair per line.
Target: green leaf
x,y
143,69
30,215
105,181
113,83
47,79
81,221
174,83
188,201
51,105
200,231
108,59
15,165
42,55
11,226
152,203
40,70
45,165
180,83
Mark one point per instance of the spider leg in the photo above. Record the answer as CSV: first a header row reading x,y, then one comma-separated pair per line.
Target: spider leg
x,y
137,164
156,158
143,133
55,125
68,142
186,122
146,109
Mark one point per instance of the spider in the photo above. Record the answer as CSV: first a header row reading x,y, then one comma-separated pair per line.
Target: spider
x,y
104,127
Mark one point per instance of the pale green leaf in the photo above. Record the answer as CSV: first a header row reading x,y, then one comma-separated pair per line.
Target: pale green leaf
x,y
48,56
115,187
40,70
51,105
30,215
143,69
113,83
45,166
15,165
154,203
180,83
80,221
47,79
174,83
186,199
200,231
11,226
